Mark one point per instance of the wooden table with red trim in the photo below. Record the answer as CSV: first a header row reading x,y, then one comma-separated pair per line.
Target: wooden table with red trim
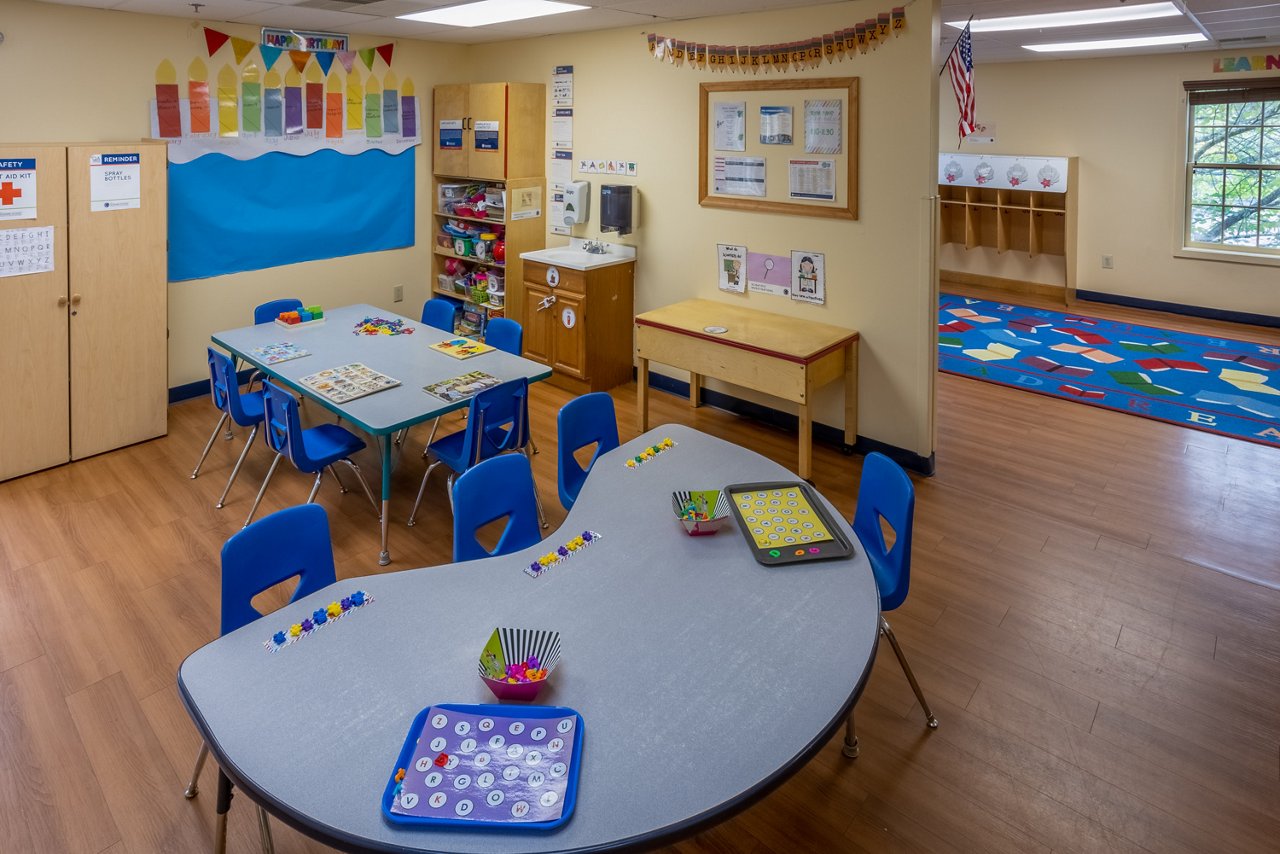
x,y
781,356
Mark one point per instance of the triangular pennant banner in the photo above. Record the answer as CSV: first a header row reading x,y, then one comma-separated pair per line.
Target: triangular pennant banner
x,y
384,51
214,40
347,58
240,47
300,59
366,56
325,60
269,55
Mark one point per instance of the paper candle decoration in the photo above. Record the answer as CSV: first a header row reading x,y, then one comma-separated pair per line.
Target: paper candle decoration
x,y
250,100
355,101
228,121
293,119
373,109
315,97
409,110
198,95
390,105
333,107
168,110
272,105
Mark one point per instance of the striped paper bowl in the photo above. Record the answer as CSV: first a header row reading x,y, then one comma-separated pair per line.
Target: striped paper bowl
x,y
517,645
715,502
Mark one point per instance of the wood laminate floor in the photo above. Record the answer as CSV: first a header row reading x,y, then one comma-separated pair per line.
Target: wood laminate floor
x,y
1094,615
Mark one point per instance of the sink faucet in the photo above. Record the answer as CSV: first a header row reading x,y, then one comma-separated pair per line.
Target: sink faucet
x,y
595,247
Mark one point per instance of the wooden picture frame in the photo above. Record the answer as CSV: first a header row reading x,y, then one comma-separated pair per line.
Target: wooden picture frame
x,y
788,92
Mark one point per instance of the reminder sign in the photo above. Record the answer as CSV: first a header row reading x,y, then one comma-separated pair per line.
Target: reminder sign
x,y
18,189
115,182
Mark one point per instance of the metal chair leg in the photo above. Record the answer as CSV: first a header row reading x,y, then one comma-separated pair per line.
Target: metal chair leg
x,y
236,471
196,471
193,787
413,514
431,437
906,668
537,499
264,832
263,489
342,487
448,485
533,444
377,511
850,748
224,806
315,487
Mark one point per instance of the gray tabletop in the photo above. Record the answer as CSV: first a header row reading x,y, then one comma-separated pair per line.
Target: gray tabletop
x,y
408,358
703,678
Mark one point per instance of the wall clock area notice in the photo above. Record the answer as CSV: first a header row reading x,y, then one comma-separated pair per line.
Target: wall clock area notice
x,y
780,146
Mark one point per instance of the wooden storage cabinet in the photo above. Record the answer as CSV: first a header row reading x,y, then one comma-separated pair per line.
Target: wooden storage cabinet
x,y
86,348
582,325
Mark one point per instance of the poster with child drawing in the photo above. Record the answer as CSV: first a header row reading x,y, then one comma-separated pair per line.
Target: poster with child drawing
x,y
808,277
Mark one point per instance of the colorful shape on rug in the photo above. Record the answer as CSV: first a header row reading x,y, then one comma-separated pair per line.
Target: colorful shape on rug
x,y
1217,385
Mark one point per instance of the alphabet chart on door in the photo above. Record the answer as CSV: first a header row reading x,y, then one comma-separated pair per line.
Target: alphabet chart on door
x,y
24,251
510,766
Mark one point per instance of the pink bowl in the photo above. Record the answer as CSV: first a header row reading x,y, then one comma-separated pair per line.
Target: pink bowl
x,y
514,691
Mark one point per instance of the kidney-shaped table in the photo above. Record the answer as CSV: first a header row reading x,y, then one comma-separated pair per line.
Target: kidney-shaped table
x,y
703,678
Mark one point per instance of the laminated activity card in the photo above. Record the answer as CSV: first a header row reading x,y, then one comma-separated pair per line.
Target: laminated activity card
x,y
348,382
786,522
487,765
461,388
282,352
462,348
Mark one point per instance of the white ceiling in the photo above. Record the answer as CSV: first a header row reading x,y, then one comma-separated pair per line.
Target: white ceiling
x,y
1233,26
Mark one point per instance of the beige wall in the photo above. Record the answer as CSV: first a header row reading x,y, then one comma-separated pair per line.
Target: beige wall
x,y
1125,118
879,269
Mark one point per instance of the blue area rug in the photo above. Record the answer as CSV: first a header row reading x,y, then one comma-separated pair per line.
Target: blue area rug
x,y
1213,384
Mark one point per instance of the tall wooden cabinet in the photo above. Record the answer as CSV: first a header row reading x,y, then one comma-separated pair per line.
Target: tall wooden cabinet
x,y
85,346
490,136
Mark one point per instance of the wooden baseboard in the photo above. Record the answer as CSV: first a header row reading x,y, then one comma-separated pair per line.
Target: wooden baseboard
x,y
1017,286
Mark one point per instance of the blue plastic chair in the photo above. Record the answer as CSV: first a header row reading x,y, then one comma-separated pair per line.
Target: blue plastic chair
x,y
269,311
290,542
439,312
505,334
497,423
497,487
885,495
311,451
583,421
245,410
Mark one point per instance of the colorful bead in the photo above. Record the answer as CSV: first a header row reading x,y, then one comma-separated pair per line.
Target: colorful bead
x,y
649,453
307,625
279,637
562,553
335,610
400,775
319,616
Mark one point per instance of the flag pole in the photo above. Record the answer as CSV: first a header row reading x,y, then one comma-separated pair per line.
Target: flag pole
x,y
954,45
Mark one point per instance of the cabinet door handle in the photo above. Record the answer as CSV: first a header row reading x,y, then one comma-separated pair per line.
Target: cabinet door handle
x,y
75,299
62,301
546,302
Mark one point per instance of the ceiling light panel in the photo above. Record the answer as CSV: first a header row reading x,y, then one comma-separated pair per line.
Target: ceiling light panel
x,y
1078,18
488,12
1117,44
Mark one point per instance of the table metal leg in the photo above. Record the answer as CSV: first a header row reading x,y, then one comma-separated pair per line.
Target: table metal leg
x,y
386,442
642,394
850,748
224,806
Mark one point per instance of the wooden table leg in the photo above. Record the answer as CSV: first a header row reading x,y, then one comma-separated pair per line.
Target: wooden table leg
x,y
642,394
806,441
851,394
695,389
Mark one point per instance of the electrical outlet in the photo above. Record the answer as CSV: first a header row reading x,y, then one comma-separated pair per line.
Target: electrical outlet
x,y
397,293
1108,262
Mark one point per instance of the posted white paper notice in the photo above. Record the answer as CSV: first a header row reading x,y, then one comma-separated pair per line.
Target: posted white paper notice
x,y
731,124
115,182
811,179
18,188
24,251
740,176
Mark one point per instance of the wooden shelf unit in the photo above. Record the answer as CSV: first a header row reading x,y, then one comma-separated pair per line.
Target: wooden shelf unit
x,y
1012,220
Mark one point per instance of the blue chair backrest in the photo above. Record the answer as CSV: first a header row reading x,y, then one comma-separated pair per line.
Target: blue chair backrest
x,y
225,388
885,492
289,542
505,410
439,312
283,433
269,311
583,421
505,334
497,487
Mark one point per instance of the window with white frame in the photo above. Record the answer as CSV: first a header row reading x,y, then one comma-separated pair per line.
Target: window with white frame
x,y
1233,165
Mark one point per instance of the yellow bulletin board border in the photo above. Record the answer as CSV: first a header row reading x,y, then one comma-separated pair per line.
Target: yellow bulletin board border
x,y
776,157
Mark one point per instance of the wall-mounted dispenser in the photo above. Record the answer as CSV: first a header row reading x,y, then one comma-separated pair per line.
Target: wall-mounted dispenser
x,y
577,202
617,208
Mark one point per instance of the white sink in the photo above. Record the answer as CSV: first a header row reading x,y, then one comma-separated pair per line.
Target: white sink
x,y
574,257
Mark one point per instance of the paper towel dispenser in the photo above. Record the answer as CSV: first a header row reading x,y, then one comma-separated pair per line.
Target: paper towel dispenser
x,y
617,208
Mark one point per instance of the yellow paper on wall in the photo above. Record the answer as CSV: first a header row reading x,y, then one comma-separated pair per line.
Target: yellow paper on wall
x,y
228,120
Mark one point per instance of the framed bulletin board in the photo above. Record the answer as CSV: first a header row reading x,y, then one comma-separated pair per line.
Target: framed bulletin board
x,y
780,146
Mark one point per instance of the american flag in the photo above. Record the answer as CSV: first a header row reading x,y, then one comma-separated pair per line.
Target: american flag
x,y
960,66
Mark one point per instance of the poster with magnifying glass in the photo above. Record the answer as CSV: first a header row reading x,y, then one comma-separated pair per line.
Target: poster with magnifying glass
x,y
769,274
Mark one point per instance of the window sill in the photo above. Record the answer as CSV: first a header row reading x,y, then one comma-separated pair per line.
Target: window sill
x,y
1227,255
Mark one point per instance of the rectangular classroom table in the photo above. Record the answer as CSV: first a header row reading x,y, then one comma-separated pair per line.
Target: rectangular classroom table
x,y
703,678
405,357
777,355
